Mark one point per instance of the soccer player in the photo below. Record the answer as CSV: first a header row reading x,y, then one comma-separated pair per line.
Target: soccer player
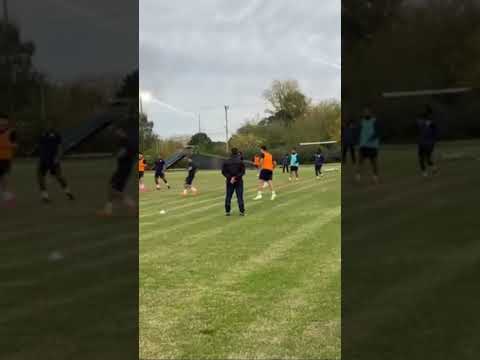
x,y
234,169
319,159
266,173
192,170
427,137
125,164
285,164
294,164
160,172
50,153
141,171
8,143
369,144
348,142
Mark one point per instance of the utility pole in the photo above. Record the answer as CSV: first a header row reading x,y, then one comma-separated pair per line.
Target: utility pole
x,y
226,128
199,124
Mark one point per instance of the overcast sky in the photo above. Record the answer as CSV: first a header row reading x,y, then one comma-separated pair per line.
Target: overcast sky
x,y
77,38
196,56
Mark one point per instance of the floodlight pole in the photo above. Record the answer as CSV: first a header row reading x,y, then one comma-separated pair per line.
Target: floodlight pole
x,y
226,127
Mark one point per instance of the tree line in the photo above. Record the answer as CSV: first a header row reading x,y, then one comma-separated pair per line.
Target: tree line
x,y
291,118
35,102
400,45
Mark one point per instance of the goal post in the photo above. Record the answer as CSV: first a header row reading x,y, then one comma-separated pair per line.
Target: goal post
x,y
318,143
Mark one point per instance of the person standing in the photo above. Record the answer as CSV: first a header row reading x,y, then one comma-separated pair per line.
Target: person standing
x,y
50,153
234,169
285,164
369,144
141,170
319,159
294,165
266,173
427,137
192,171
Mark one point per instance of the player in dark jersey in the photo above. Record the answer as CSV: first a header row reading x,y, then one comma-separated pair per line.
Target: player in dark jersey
x,y
126,158
160,166
192,170
319,159
50,153
427,138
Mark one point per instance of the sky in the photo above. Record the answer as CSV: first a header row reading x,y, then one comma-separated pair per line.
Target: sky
x,y
197,56
79,38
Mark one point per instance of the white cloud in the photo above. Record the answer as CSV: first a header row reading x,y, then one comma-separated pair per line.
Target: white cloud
x,y
204,54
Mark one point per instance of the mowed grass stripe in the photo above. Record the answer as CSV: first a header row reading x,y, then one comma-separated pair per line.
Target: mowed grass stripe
x,y
265,276
145,235
225,279
167,246
203,269
154,198
212,196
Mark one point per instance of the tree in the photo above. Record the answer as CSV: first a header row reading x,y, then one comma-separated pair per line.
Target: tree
x,y
129,87
200,139
245,141
146,134
287,101
17,74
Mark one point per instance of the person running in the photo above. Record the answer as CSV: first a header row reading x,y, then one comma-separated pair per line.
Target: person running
x,y
234,169
125,163
160,166
427,137
266,173
369,144
285,163
8,144
141,171
319,159
348,142
50,153
192,171
294,165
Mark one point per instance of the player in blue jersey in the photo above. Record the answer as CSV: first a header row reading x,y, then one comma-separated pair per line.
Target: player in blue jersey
x,y
369,144
294,164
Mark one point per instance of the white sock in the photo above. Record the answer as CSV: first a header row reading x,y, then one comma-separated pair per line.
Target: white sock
x,y
44,195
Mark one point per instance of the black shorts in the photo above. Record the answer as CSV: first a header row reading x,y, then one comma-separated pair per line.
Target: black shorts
x,y
160,175
140,174
368,153
266,175
49,166
189,180
293,168
5,166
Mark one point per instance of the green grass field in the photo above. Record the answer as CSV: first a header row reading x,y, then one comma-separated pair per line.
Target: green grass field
x,y
260,287
410,264
83,306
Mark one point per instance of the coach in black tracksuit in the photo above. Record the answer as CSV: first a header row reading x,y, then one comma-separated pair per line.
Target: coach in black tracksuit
x,y
233,169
